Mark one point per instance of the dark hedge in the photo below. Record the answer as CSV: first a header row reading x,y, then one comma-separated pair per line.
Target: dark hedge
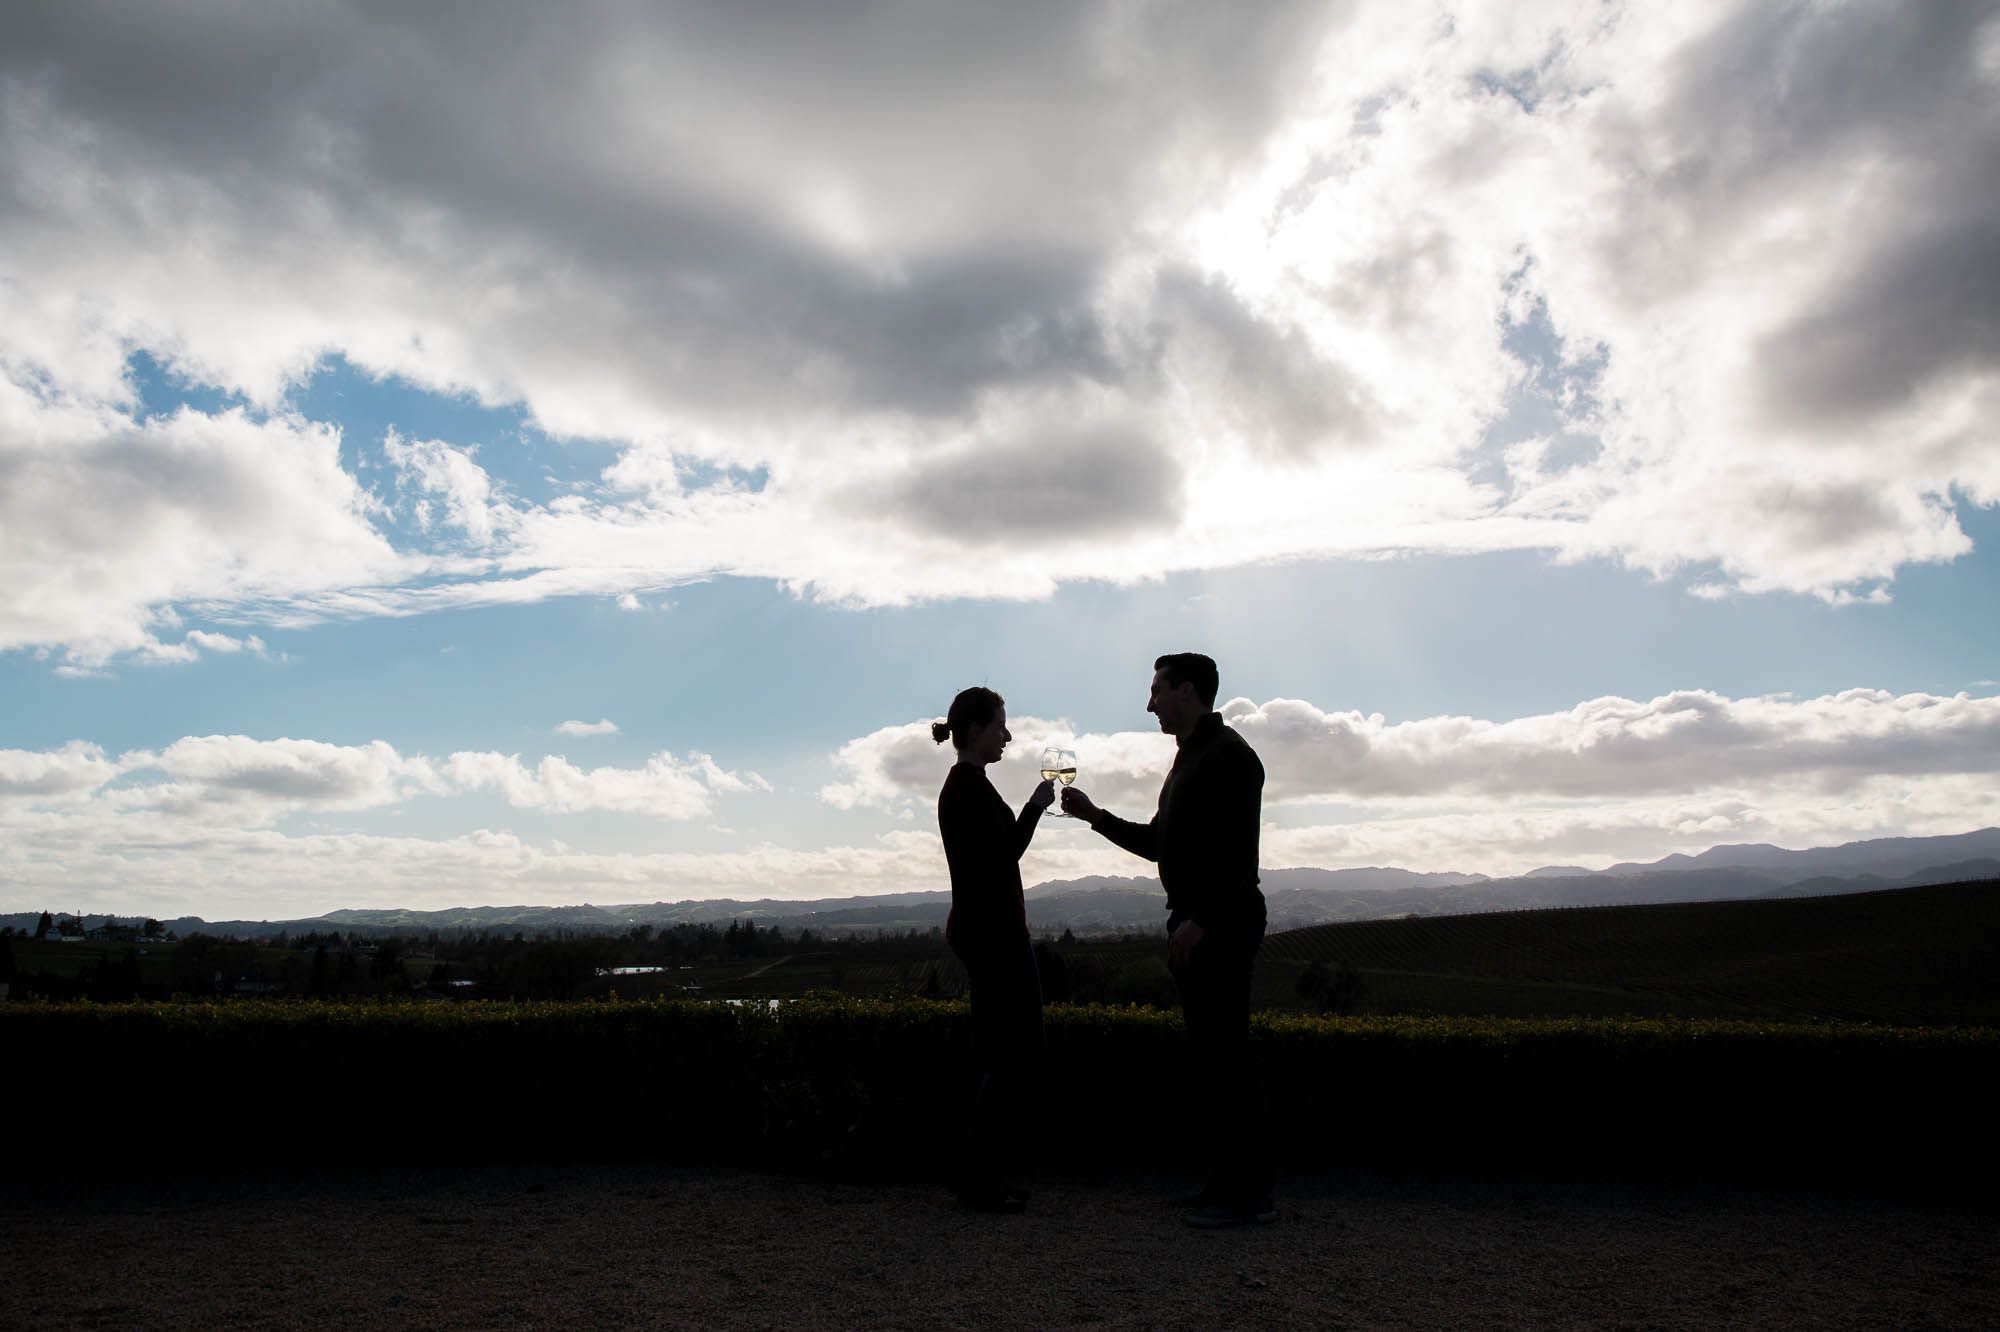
x,y
878,1087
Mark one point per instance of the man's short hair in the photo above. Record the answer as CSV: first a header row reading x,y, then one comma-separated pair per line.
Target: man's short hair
x,y
1191,668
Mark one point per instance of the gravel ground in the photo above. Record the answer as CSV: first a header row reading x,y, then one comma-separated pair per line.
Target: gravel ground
x,y
623,1246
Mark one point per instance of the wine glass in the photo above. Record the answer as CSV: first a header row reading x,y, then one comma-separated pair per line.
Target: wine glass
x,y
1059,765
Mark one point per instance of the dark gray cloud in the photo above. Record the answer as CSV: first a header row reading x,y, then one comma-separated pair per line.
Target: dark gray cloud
x,y
1927,309
1265,379
1769,106
1775,96
1765,99
889,208
1050,489
1815,516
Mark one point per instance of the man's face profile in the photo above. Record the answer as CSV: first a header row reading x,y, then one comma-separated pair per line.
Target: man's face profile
x,y
1171,703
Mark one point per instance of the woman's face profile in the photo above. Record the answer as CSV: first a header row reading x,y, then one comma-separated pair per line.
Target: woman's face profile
x,y
985,743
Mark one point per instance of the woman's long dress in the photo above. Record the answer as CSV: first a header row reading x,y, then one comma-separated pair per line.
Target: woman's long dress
x,y
988,930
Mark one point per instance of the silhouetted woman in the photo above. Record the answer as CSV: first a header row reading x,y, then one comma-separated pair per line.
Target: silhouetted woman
x,y
988,929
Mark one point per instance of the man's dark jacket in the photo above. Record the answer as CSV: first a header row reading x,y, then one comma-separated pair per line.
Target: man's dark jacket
x,y
1204,834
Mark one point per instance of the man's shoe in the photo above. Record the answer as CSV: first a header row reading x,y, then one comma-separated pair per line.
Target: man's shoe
x,y
1221,1216
1018,1192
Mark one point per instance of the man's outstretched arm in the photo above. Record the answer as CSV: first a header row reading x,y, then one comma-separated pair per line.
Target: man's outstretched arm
x,y
1141,839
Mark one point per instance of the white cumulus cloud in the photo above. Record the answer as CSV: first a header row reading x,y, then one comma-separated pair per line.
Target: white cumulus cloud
x,y
107,523
665,787
195,826
76,769
463,491
1611,777
241,780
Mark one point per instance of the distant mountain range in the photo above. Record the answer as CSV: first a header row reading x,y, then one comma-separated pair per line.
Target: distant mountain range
x,y
1295,897
1890,857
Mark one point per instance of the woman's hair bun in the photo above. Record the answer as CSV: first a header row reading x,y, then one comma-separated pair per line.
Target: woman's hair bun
x,y
973,708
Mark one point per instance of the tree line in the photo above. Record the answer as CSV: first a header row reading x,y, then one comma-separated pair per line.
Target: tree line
x,y
555,964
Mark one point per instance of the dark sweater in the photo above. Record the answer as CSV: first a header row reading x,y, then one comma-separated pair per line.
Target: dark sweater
x,y
1204,834
983,842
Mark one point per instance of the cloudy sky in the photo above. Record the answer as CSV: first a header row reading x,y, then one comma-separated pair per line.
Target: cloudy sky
x,y
482,454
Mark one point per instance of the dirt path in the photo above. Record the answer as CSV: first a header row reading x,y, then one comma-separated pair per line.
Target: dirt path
x,y
637,1246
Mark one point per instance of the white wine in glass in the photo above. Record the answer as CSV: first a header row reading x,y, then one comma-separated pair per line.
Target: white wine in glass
x,y
1059,765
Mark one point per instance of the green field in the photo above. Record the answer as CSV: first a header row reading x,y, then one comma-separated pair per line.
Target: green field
x,y
1903,957
1907,956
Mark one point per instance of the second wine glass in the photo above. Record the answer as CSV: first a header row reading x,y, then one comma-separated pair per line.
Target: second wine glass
x,y
1059,765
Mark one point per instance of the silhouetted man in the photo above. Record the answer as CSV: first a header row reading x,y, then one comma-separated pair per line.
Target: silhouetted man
x,y
1204,837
